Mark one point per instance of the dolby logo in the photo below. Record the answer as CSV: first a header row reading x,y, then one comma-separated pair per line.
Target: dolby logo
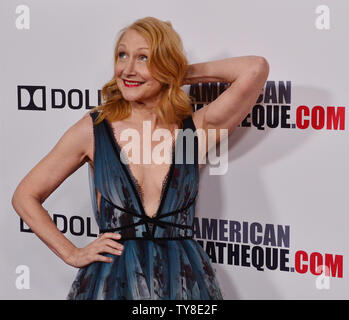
x,y
34,98
31,97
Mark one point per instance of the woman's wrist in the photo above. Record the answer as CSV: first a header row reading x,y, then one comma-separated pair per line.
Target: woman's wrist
x,y
69,257
66,251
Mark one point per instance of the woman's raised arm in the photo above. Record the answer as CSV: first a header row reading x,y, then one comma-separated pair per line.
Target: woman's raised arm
x,y
247,76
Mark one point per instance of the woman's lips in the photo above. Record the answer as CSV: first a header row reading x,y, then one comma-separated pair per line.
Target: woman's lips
x,y
130,84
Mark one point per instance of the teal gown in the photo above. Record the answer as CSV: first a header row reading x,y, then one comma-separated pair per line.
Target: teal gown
x,y
161,260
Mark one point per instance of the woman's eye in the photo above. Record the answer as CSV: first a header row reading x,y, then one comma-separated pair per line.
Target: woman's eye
x,y
121,54
143,58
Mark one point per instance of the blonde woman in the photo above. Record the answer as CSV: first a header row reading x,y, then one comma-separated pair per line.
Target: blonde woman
x,y
144,210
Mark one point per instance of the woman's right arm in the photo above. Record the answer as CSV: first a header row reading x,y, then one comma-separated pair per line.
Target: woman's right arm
x,y
69,154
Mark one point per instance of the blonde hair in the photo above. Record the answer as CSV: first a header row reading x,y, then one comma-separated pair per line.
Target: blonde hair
x,y
167,64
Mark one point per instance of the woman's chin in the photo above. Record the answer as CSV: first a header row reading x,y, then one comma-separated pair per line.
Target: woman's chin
x,y
130,98
137,99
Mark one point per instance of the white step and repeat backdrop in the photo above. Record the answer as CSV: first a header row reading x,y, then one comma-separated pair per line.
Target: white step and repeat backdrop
x,y
274,221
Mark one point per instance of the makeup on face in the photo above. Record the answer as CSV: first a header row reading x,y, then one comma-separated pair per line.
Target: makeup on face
x,y
137,56
132,74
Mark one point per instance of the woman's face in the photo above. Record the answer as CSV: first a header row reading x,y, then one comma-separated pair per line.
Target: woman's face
x,y
132,75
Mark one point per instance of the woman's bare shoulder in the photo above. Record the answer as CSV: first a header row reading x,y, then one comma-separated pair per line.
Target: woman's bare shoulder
x,y
84,129
79,137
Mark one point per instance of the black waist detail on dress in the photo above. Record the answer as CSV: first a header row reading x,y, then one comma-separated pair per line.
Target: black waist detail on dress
x,y
144,219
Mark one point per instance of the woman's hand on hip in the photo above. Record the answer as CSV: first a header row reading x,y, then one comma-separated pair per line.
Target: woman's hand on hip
x,y
105,243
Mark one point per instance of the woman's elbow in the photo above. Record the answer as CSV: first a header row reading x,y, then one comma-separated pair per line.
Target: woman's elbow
x,y
262,66
15,201
258,71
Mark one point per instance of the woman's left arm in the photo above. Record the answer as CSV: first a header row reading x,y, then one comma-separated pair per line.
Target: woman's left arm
x,y
247,76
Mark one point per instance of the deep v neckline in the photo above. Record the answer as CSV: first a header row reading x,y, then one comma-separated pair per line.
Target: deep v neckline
x,y
134,182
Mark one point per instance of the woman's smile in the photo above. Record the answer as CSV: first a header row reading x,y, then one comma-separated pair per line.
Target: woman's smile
x,y
131,84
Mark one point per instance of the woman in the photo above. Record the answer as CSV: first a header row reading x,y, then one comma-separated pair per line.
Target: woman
x,y
145,211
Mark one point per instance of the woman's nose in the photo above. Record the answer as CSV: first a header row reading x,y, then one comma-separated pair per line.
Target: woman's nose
x,y
130,67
